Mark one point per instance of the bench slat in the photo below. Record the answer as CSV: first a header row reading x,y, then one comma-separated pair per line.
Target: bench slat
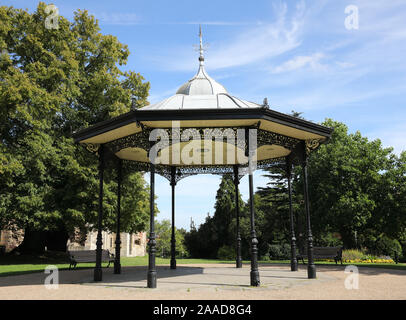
x,y
88,256
323,253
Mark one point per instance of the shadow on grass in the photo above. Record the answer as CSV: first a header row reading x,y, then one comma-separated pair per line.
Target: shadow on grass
x,y
11,264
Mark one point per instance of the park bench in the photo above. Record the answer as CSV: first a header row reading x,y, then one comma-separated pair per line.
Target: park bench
x,y
335,253
88,256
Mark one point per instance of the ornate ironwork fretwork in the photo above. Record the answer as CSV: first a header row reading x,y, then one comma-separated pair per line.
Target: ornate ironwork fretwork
x,y
187,171
232,135
312,145
92,147
236,136
268,138
136,140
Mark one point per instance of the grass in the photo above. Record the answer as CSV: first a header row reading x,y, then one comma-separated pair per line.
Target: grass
x,y
13,265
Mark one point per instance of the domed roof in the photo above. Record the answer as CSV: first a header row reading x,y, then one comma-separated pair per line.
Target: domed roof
x,y
201,84
201,92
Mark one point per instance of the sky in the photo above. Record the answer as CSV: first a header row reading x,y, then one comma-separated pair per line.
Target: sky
x,y
343,60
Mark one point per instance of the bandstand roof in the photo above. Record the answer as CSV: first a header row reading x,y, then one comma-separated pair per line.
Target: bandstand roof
x,y
204,105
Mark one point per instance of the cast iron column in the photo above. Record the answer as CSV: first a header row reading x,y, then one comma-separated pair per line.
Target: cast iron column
x,y
173,239
237,212
151,279
293,260
254,242
117,264
311,268
99,243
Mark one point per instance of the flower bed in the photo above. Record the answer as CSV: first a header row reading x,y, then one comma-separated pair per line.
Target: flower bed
x,y
364,260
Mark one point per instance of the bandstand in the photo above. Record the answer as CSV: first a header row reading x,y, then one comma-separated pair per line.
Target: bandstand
x,y
203,129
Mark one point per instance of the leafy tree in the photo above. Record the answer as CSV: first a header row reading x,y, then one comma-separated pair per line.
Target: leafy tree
x,y
344,179
163,231
356,191
202,242
220,230
390,213
52,83
272,208
273,200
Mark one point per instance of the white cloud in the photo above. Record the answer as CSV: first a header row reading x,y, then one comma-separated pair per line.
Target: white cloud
x,y
300,62
254,44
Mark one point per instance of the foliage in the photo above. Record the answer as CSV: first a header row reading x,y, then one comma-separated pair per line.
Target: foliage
x,y
163,230
219,230
226,253
353,254
272,209
348,188
356,192
387,246
54,82
329,239
279,251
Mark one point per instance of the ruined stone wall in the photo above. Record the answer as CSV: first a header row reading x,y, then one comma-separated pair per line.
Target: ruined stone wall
x,y
11,238
131,244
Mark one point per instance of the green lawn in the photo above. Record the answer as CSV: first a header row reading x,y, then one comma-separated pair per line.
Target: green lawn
x,y
13,265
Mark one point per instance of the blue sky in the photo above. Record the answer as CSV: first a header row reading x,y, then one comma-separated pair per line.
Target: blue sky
x,y
298,54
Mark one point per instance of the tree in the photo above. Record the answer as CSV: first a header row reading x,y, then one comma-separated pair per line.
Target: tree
x,y
52,83
219,230
356,192
163,230
390,213
344,179
273,206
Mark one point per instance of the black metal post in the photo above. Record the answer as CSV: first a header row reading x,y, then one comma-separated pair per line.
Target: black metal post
x,y
117,264
237,212
254,274
173,239
311,268
293,259
151,278
98,270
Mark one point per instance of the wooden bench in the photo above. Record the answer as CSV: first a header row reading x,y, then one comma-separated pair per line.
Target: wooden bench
x,y
88,256
323,253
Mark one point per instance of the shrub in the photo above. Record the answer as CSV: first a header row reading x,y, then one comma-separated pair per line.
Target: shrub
x,y
353,254
388,247
402,257
359,256
226,253
279,251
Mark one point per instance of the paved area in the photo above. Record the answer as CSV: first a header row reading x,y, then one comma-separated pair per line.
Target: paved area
x,y
219,281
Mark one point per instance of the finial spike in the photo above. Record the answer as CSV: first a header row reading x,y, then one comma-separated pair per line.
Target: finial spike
x,y
201,57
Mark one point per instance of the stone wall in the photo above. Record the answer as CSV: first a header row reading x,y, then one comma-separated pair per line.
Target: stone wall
x,y
11,239
132,245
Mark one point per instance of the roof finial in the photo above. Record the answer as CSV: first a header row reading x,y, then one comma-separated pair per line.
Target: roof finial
x,y
201,49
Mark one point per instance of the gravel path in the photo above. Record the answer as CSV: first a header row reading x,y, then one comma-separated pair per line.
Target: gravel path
x,y
202,282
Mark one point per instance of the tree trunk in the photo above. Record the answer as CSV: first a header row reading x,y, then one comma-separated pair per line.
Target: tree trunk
x,y
36,241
